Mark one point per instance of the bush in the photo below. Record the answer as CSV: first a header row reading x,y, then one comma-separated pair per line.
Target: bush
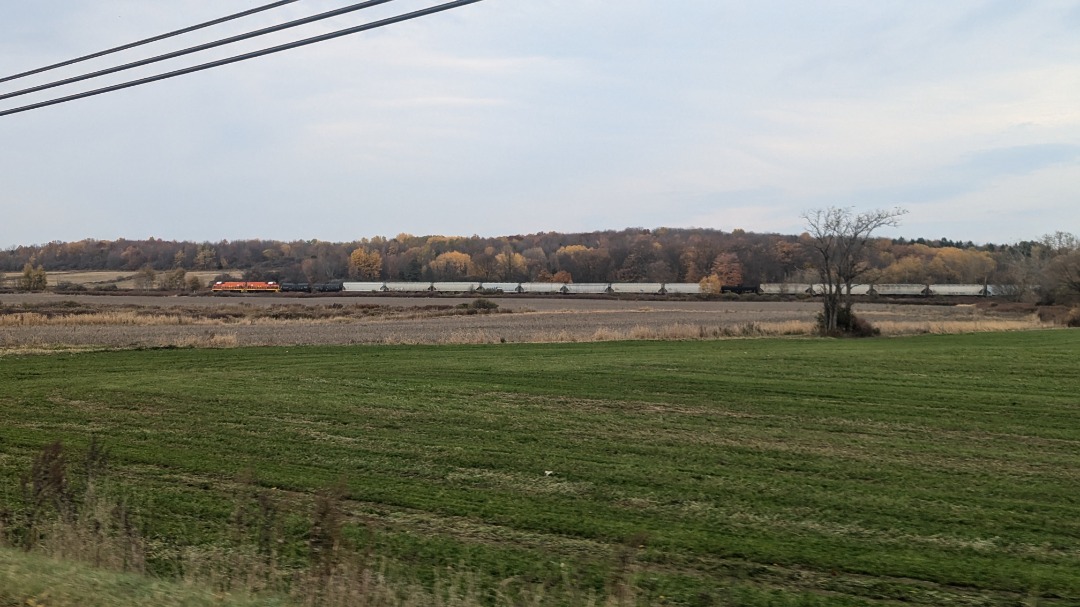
x,y
849,325
480,305
1073,319
69,287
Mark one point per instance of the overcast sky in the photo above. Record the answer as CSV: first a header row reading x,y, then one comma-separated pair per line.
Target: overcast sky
x,y
519,116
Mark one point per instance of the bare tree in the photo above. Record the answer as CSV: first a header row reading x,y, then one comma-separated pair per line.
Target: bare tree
x,y
1062,277
839,238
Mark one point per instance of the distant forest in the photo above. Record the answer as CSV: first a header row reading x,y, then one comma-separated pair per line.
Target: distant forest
x,y
629,255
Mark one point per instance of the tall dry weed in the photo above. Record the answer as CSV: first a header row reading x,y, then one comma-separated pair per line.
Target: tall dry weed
x,y
64,514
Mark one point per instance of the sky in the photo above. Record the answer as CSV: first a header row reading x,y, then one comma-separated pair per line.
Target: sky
x,y
520,116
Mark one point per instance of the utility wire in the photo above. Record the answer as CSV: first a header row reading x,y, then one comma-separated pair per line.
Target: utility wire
x,y
267,51
195,49
149,40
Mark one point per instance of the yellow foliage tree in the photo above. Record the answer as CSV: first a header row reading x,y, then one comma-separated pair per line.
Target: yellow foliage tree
x,y
33,279
451,265
365,265
510,265
924,265
963,265
711,285
911,269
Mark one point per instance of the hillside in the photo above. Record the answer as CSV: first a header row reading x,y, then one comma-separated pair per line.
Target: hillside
x,y
630,255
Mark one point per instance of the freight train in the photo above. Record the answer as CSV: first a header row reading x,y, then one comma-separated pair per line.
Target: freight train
x,y
606,288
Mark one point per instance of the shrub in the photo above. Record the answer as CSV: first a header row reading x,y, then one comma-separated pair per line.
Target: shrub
x,y
849,325
480,305
1073,319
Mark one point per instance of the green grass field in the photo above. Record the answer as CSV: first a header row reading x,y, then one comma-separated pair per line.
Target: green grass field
x,y
933,470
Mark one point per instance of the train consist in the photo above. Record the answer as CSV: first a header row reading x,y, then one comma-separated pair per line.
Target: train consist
x,y
603,288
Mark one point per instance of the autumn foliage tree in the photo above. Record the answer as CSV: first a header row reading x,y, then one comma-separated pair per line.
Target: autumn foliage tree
x,y
726,270
33,278
510,265
365,265
452,265
923,264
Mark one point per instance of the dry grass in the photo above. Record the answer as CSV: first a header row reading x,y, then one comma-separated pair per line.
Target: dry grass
x,y
678,332
975,325
105,318
88,324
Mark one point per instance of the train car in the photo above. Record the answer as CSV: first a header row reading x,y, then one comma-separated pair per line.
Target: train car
x,y
545,288
901,290
408,287
740,289
454,287
637,288
682,288
499,287
589,288
786,288
248,286
970,290
363,287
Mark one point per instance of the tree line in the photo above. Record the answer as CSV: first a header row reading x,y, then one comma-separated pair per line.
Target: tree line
x,y
1049,266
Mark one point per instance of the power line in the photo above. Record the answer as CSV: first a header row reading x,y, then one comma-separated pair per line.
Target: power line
x,y
149,40
195,49
246,56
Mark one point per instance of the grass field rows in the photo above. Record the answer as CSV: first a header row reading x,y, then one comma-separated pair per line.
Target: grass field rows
x,y
931,470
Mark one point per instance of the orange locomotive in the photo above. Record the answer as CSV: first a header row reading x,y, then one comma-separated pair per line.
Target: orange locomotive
x,y
245,287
